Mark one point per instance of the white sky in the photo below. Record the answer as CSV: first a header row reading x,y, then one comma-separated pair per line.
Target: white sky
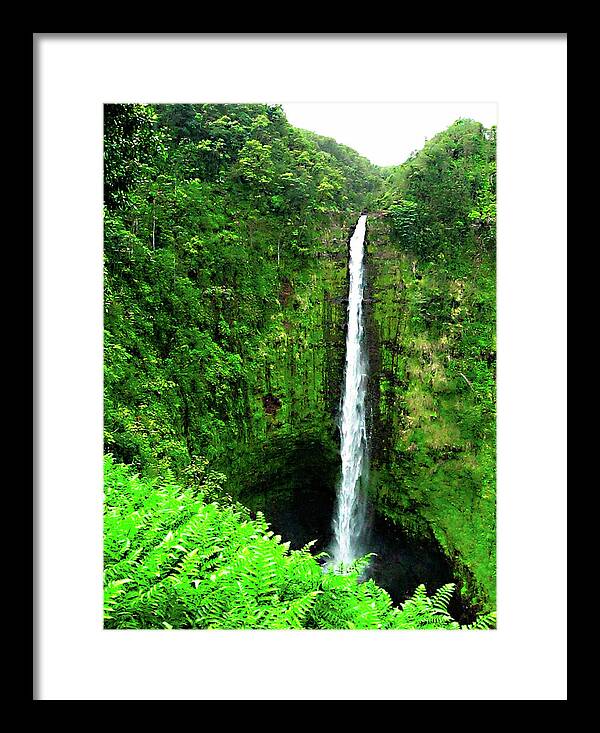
x,y
385,132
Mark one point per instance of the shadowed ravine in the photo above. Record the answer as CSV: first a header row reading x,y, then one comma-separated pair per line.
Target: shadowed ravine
x,y
338,517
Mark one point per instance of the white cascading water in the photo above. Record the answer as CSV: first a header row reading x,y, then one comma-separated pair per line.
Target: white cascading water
x,y
349,515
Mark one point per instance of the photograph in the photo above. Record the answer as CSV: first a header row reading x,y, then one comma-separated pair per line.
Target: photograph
x,y
299,361
300,366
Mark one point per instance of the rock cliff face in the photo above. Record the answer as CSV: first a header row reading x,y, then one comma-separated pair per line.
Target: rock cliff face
x,y
427,475
289,467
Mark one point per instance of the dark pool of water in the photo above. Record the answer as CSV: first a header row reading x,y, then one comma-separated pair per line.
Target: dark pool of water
x,y
401,563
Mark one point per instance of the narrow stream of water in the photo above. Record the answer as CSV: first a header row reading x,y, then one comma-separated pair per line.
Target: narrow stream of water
x,y
349,513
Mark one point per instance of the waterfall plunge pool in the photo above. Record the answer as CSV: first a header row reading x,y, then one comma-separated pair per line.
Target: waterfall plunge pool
x,y
298,495
302,512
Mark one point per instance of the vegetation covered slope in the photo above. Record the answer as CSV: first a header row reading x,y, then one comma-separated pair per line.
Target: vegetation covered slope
x,y
214,218
363,179
432,270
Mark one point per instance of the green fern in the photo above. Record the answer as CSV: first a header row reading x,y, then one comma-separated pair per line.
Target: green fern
x,y
175,558
483,621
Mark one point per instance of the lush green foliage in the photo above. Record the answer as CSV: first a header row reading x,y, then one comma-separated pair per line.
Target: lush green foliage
x,y
213,212
177,557
225,274
436,315
443,199
363,179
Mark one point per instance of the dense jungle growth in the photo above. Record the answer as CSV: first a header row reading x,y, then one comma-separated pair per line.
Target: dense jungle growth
x,y
433,275
226,236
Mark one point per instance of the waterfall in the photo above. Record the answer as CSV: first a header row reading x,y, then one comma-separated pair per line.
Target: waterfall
x,y
349,515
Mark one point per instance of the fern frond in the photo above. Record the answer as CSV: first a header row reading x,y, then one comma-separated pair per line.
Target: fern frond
x,y
483,621
174,560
